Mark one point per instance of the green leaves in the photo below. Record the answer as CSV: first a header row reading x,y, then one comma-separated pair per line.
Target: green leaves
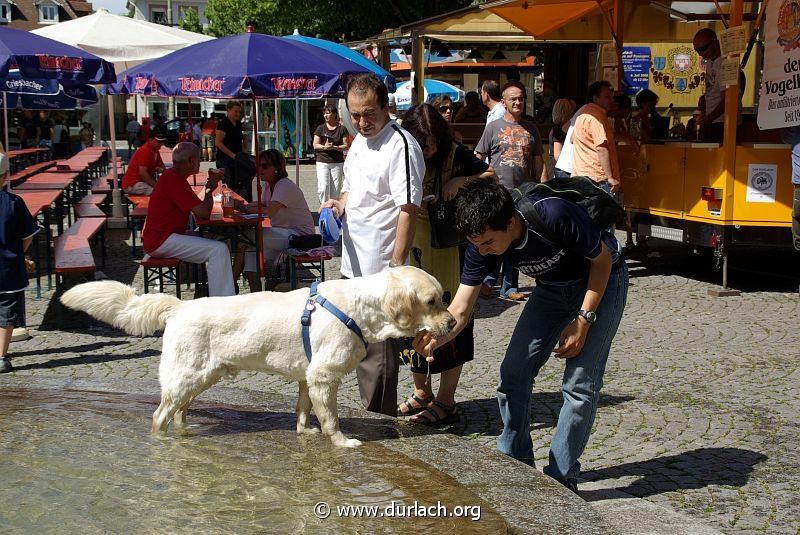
x,y
190,21
336,20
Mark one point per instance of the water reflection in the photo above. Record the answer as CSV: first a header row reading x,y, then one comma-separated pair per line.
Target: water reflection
x,y
79,460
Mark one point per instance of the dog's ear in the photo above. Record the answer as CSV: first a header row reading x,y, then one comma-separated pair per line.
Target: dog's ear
x,y
400,302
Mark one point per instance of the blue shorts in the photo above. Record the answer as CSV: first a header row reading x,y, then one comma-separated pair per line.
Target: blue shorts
x,y
12,309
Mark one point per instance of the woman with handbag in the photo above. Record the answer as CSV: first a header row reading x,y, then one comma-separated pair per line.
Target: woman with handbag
x,y
436,250
284,203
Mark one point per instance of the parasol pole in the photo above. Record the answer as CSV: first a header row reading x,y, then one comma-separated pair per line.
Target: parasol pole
x,y
5,128
5,120
117,220
191,136
297,141
259,233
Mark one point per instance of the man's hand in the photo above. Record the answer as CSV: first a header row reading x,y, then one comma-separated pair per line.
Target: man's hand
x,y
572,339
614,183
424,344
335,205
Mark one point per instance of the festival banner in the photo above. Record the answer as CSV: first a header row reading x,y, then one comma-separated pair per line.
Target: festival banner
x,y
779,105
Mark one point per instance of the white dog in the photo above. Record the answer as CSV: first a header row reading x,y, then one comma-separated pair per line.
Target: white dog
x,y
207,339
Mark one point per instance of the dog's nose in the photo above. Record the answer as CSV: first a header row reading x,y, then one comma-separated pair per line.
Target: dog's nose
x,y
452,323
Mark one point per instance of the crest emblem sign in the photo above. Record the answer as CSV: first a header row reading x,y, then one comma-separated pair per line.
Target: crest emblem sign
x,y
678,71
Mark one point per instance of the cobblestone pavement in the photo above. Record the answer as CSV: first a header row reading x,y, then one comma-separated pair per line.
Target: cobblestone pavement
x,y
699,413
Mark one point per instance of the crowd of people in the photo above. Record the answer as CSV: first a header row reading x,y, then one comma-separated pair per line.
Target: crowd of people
x,y
411,193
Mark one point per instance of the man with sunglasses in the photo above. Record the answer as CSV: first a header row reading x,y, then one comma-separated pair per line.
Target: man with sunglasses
x,y
706,45
512,147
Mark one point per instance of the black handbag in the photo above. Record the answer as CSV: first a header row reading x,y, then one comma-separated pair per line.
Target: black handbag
x,y
305,242
442,217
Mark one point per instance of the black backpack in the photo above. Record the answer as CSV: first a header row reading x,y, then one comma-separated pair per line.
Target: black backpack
x,y
602,208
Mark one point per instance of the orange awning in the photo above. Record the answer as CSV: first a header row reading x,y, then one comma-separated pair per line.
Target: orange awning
x,y
539,17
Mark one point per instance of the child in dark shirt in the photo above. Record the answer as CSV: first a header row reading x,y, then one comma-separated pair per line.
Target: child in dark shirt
x,y
17,228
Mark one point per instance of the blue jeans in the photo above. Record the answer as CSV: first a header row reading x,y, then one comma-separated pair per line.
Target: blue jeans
x,y
550,309
510,282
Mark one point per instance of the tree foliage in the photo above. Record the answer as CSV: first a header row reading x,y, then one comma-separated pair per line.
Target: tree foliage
x,y
337,20
190,21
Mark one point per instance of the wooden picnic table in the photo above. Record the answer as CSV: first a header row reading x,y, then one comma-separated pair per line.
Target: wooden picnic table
x,y
53,181
40,203
237,229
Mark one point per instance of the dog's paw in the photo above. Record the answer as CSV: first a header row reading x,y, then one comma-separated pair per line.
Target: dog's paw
x,y
308,430
343,442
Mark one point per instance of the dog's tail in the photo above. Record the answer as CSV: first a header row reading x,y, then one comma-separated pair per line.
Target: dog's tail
x,y
117,304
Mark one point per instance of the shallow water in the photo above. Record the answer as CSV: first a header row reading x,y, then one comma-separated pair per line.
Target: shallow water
x,y
85,462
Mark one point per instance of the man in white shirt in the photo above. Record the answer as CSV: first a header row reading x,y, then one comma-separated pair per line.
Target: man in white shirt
x,y
492,98
380,196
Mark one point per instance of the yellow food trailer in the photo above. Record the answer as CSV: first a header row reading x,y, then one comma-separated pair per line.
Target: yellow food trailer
x,y
706,194
680,191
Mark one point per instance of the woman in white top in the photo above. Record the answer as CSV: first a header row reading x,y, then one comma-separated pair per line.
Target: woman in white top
x,y
284,203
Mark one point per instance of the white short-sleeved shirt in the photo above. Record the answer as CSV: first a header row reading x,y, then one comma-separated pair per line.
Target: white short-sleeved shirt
x,y
564,162
295,214
714,87
381,174
498,112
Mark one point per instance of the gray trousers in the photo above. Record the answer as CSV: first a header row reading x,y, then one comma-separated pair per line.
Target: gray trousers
x,y
377,376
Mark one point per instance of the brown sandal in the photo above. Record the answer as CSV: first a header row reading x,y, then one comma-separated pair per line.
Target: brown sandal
x,y
431,418
412,410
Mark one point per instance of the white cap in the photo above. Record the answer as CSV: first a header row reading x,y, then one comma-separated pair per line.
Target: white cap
x,y
3,164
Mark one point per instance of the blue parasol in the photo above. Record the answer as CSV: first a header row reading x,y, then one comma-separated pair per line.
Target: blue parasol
x,y
340,50
14,82
59,101
245,66
433,89
40,57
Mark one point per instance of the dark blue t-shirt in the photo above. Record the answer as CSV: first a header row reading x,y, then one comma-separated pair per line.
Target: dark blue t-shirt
x,y
566,261
16,224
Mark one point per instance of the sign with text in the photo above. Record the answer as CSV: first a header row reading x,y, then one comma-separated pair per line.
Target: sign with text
x,y
635,69
733,41
761,181
779,105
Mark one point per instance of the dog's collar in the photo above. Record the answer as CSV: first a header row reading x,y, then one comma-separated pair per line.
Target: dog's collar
x,y
311,305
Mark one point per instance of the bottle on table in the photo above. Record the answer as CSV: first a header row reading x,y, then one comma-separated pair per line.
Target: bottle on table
x,y
227,201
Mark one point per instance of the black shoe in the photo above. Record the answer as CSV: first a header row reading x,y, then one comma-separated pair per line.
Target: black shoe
x,y
571,484
5,365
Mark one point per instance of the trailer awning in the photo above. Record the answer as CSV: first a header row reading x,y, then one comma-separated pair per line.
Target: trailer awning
x,y
540,17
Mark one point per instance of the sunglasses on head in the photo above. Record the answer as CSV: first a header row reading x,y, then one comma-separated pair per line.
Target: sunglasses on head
x,y
701,49
445,109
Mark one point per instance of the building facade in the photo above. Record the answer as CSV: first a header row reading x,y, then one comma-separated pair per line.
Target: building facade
x,y
156,10
31,14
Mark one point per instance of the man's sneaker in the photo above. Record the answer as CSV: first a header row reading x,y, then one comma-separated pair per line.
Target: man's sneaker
x,y
5,365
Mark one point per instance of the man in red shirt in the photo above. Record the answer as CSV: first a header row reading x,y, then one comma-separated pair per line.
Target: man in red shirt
x,y
140,178
171,203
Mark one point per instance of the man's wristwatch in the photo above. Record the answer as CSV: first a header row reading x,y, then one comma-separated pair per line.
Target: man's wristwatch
x,y
589,315
392,264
